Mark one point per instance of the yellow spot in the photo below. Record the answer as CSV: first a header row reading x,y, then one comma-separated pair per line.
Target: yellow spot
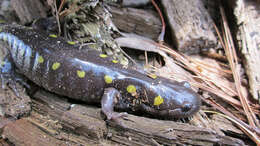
x,y
40,59
71,42
81,74
103,55
131,89
115,61
108,79
55,65
152,76
53,35
158,100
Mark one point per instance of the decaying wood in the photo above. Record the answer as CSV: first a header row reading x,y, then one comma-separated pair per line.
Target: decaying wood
x,y
134,3
6,12
22,132
55,121
190,24
28,10
142,22
13,106
248,19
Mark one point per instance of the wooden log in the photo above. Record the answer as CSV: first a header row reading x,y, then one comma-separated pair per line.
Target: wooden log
x,y
154,132
142,22
191,25
248,20
134,3
86,122
22,132
13,106
6,12
29,10
57,120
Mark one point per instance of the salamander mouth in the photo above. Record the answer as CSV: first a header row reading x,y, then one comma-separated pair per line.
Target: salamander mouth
x,y
179,113
184,111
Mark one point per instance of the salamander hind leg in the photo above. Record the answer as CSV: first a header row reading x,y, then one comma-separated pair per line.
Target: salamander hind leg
x,y
8,75
109,99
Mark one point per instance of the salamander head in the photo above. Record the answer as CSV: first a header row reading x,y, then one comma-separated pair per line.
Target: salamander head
x,y
174,101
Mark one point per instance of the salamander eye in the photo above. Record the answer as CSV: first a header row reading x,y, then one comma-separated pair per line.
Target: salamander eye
x,y
186,107
186,84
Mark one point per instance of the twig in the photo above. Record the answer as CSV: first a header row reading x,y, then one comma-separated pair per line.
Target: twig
x,y
61,6
243,126
53,5
161,36
232,58
57,17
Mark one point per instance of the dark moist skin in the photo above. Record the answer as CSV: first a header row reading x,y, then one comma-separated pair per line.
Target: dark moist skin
x,y
84,74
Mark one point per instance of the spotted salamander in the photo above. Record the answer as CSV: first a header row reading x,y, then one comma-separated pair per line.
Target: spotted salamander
x,y
84,74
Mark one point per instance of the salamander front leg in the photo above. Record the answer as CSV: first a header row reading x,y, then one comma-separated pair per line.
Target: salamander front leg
x,y
110,98
8,75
